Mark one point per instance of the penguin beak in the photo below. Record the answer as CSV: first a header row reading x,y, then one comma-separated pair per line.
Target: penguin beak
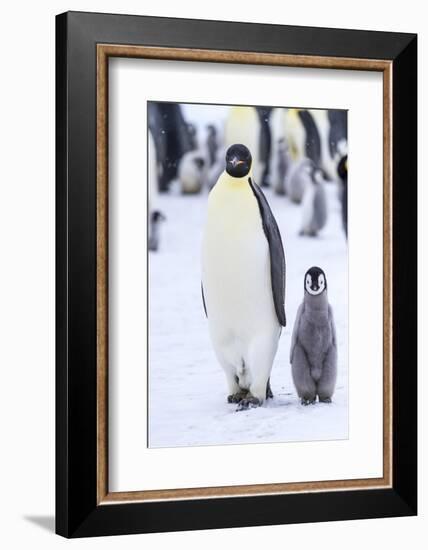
x,y
236,162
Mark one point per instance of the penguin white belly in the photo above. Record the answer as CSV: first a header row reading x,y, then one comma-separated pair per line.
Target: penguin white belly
x,y
237,282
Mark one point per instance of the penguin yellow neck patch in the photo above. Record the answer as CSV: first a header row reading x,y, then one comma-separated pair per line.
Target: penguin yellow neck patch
x,y
233,202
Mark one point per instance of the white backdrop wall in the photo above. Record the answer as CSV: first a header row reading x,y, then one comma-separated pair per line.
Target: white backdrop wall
x,y
27,269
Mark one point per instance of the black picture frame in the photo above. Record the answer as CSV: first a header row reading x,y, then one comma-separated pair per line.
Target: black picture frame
x,y
78,513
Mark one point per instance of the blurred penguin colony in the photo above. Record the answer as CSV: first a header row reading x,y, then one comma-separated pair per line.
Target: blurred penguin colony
x,y
296,153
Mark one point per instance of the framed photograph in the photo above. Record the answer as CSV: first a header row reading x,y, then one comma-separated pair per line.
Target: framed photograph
x,y
236,274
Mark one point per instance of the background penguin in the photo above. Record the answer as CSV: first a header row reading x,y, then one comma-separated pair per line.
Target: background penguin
x,y
243,126
342,172
215,171
338,134
314,204
172,136
327,160
312,136
280,158
155,216
193,135
295,134
243,280
282,164
313,353
265,143
192,172
212,144
155,219
296,178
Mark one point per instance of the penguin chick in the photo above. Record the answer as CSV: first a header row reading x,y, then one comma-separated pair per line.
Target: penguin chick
x,y
280,166
314,204
342,172
296,178
313,353
191,172
243,280
156,218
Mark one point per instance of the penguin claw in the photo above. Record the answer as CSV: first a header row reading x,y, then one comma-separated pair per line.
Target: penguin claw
x,y
269,394
236,397
326,400
307,402
248,403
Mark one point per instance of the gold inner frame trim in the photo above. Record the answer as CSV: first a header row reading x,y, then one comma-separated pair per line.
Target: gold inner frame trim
x,y
104,51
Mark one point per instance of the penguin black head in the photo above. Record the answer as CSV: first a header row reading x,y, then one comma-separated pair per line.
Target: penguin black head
x,y
342,168
199,161
238,160
315,281
157,216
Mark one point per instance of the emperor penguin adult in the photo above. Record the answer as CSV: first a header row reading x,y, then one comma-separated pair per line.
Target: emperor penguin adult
x,y
313,352
243,280
314,204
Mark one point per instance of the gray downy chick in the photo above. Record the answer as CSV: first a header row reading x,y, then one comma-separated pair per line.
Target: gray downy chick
x,y
296,178
313,352
314,204
191,172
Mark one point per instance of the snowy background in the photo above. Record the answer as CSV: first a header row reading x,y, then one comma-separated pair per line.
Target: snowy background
x,y
187,387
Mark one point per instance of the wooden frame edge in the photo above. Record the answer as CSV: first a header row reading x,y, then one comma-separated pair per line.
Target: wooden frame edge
x,y
103,52
102,274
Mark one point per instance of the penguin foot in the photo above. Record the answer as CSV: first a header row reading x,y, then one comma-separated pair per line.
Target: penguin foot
x,y
237,397
248,403
325,400
269,394
306,402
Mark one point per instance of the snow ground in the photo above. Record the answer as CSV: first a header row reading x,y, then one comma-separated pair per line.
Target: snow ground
x,y
187,387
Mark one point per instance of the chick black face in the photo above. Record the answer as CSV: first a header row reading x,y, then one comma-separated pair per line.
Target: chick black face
x,y
315,281
238,161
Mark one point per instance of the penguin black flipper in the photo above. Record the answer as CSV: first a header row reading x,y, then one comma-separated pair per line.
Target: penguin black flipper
x,y
295,331
276,251
332,326
203,300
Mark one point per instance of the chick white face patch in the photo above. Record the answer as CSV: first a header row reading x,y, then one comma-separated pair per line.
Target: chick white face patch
x,y
314,287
